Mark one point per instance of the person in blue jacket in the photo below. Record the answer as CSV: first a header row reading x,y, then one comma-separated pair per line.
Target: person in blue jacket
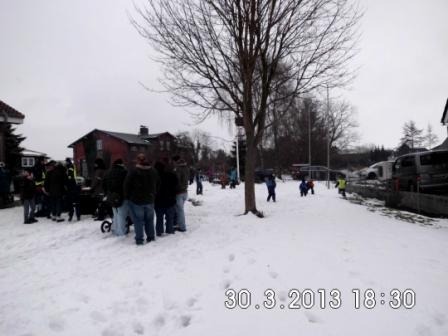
x,y
270,183
303,188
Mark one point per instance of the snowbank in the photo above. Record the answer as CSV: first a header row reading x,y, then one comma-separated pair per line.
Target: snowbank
x,y
70,279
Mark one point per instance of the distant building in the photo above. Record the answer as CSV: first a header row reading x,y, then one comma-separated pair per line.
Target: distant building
x,y
110,146
8,115
29,158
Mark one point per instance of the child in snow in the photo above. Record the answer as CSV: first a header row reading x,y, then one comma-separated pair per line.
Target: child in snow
x,y
303,188
341,183
270,183
310,186
28,197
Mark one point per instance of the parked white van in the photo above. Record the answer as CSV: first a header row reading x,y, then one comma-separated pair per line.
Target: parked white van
x,y
426,170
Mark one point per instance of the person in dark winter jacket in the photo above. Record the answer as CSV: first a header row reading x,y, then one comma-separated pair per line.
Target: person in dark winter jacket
x,y
28,197
198,178
73,198
97,189
303,188
5,185
140,188
39,173
182,172
114,189
55,187
165,203
270,183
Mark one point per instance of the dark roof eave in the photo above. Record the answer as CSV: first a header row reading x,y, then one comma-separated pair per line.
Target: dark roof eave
x,y
445,112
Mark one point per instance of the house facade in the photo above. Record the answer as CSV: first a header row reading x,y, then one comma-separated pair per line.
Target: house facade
x,y
444,122
30,157
111,146
8,115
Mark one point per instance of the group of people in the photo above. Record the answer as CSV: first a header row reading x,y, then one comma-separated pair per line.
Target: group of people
x,y
45,188
138,194
304,186
145,191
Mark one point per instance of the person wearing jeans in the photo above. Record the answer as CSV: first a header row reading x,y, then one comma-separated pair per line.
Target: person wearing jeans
x,y
143,217
165,203
28,197
140,187
182,173
113,187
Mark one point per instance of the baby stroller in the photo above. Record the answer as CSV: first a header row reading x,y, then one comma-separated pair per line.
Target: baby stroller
x,y
106,225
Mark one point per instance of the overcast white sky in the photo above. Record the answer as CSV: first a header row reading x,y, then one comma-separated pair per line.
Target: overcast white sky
x,y
71,66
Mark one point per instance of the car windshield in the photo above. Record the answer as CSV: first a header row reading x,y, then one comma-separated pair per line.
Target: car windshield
x,y
438,159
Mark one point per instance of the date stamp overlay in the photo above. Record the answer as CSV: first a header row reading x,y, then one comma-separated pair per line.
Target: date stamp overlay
x,y
320,299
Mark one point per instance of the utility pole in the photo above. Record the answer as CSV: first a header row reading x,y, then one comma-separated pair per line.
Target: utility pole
x,y
238,154
309,132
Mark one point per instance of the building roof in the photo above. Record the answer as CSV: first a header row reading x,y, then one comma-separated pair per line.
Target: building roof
x,y
445,114
443,145
29,152
132,139
9,114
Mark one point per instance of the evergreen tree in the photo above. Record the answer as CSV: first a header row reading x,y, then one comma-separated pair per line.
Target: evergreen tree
x,y
13,151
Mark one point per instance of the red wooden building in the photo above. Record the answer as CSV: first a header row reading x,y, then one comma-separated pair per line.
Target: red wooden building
x,y
110,146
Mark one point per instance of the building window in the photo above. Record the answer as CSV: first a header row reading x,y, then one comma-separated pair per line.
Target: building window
x,y
168,144
134,148
161,145
99,144
28,162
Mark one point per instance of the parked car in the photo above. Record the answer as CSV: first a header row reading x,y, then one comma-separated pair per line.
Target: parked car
x,y
380,170
426,170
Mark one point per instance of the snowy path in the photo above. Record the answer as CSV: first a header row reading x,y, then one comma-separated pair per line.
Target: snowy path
x,y
70,279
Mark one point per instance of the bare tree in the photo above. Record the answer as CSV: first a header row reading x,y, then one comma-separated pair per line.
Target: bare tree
x,y
412,135
222,55
341,124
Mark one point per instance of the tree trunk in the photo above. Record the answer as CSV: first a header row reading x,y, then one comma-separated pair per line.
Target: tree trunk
x,y
249,183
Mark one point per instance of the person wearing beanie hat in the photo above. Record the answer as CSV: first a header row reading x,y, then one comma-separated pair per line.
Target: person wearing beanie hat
x,y
140,188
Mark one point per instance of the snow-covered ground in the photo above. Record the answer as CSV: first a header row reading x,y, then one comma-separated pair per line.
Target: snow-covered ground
x,y
71,279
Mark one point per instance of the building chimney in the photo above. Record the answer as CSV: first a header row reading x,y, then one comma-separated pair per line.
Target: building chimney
x,y
143,131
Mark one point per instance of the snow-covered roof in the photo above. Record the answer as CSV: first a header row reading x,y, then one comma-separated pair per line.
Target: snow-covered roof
x,y
133,139
29,152
9,114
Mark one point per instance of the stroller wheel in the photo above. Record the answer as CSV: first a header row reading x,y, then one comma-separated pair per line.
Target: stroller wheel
x,y
106,226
